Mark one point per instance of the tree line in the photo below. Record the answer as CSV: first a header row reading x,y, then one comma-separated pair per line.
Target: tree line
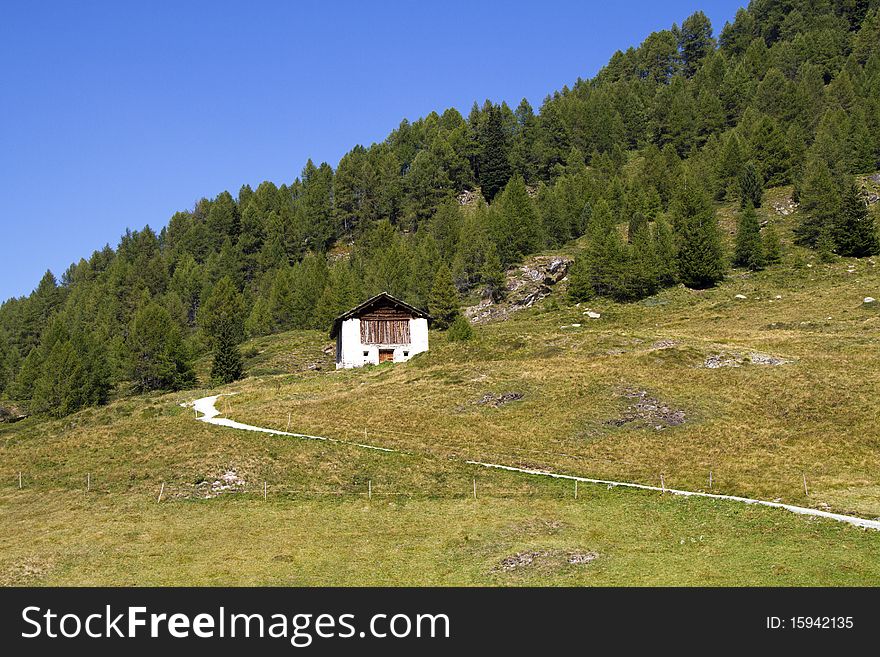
x,y
635,159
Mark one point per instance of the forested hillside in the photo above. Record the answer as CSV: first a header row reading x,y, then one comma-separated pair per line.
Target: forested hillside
x,y
635,158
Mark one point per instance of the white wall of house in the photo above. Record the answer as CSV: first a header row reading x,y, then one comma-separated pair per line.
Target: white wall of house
x,y
351,353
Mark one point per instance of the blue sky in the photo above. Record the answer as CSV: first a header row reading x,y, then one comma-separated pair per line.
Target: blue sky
x,y
118,114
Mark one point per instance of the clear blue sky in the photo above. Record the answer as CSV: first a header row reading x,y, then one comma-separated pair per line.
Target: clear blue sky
x,y
118,114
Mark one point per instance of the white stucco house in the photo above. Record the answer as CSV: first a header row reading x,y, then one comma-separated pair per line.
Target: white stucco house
x,y
381,329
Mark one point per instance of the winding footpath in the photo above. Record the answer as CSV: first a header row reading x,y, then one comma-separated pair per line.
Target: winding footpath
x,y
209,413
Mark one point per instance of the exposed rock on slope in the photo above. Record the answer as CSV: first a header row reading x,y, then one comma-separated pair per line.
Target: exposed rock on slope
x,y
11,414
526,284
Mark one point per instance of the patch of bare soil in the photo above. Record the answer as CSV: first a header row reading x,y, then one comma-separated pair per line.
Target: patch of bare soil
x,y
735,359
664,344
528,558
24,572
534,527
228,482
493,400
648,411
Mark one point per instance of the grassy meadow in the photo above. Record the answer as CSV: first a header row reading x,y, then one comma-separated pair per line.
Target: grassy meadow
x,y
627,396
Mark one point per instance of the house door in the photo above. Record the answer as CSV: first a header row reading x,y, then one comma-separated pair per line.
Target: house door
x,y
386,355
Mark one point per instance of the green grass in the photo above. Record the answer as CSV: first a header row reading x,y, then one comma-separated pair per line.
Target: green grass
x,y
639,538
759,429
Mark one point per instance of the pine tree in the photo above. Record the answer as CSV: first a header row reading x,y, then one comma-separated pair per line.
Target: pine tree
x,y
227,365
854,231
606,254
472,247
221,318
771,151
695,41
460,330
443,304
579,286
664,249
7,362
819,203
222,314
52,392
825,245
492,275
699,255
642,267
751,187
515,222
445,227
772,245
494,164
157,357
637,221
749,248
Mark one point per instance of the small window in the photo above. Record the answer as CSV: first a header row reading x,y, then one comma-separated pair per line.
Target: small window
x,y
405,354
366,354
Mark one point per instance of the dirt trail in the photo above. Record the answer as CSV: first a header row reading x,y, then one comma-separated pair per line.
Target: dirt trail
x,y
207,407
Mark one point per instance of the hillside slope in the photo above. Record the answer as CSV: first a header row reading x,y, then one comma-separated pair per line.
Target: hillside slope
x,y
765,381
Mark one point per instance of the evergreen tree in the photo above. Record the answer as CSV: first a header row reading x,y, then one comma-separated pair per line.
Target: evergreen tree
x,y
854,232
492,275
515,222
637,221
579,286
642,269
749,249
281,300
157,357
222,320
494,163
443,304
445,227
7,362
819,203
223,313
695,41
772,245
751,186
699,255
227,365
825,245
664,249
460,330
771,151
472,248
606,254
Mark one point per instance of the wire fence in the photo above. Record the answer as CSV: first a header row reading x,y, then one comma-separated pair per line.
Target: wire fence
x,y
534,485
345,431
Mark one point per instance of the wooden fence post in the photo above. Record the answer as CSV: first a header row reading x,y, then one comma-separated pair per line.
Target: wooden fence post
x,y
369,489
806,492
161,490
662,483
575,489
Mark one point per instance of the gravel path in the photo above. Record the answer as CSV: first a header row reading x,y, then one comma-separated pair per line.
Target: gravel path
x,y
207,407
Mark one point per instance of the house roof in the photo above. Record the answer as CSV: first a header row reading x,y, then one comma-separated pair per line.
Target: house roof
x,y
383,299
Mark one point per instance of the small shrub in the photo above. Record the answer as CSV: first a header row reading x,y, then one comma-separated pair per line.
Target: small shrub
x,y
460,330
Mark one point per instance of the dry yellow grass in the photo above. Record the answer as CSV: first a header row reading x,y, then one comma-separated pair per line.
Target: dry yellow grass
x,y
758,428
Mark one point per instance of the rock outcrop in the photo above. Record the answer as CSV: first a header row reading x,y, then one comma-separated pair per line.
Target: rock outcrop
x,y
526,285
